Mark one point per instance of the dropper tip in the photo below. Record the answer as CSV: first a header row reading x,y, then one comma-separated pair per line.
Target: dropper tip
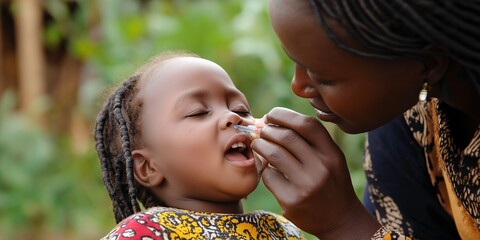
x,y
245,129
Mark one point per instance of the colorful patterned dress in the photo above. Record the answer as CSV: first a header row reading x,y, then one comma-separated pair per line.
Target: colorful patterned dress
x,y
419,182
171,223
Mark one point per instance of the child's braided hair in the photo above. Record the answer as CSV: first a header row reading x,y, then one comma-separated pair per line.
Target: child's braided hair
x,y
117,133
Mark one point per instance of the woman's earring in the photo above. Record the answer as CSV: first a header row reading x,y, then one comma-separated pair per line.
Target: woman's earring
x,y
422,97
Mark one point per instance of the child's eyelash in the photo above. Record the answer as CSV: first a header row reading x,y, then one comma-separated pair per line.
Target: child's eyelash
x,y
197,113
243,112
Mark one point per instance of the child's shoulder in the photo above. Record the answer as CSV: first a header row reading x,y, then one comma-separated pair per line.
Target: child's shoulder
x,y
278,224
141,225
166,223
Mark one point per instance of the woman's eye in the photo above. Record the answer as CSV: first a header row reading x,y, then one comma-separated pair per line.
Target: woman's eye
x,y
320,80
325,82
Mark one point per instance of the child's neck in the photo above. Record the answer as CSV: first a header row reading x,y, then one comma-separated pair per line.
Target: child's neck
x,y
234,207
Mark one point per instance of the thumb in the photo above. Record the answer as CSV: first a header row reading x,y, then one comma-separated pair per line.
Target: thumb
x,y
260,162
278,184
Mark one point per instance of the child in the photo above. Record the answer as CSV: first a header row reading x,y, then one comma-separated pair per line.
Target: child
x,y
166,137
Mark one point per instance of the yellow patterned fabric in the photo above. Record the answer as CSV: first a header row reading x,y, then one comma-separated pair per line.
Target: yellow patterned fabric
x,y
423,181
454,172
170,223
384,234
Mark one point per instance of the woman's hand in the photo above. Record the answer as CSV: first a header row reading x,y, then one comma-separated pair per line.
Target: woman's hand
x,y
310,178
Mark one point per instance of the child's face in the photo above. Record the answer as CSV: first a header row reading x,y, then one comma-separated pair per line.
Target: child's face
x,y
190,108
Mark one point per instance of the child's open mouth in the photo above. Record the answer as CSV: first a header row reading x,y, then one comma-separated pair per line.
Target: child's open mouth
x,y
239,151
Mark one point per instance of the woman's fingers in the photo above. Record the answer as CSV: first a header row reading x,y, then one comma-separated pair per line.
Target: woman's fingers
x,y
308,127
276,156
302,136
278,184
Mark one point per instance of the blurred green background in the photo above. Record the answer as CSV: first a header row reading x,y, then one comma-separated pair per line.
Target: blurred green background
x,y
58,58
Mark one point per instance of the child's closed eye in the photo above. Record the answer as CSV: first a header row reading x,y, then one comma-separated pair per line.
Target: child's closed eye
x,y
242,112
197,113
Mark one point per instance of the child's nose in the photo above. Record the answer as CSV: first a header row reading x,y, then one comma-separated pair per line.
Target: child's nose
x,y
230,119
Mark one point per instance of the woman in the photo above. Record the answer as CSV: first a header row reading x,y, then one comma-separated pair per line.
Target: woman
x,y
407,72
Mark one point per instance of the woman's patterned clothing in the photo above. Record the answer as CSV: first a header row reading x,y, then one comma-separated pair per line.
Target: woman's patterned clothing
x,y
384,234
171,223
419,182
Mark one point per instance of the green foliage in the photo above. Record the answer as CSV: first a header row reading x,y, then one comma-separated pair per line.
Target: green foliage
x,y
19,167
45,187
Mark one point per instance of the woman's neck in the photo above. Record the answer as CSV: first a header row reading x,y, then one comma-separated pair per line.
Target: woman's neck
x,y
462,127
464,99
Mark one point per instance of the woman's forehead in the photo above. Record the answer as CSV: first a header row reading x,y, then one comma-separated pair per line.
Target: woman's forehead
x,y
290,11
299,27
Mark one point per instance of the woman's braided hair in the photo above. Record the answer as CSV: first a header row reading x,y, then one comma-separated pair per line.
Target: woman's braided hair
x,y
403,28
117,133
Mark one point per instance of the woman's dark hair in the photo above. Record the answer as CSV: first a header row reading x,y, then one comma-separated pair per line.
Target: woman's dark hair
x,y
404,28
118,132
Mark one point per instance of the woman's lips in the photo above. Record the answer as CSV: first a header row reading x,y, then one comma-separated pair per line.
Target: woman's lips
x,y
326,116
323,113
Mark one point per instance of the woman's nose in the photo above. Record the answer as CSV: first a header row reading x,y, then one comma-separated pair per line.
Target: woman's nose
x,y
230,119
301,85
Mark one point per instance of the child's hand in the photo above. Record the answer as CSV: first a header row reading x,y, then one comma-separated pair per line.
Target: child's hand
x,y
309,177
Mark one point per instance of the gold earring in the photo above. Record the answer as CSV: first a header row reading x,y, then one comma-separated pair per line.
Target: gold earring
x,y
422,97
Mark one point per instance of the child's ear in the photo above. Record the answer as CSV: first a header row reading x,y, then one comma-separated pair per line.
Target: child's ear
x,y
145,171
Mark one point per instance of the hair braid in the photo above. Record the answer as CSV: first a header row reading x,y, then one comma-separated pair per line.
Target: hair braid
x,y
403,28
115,129
100,146
125,139
105,155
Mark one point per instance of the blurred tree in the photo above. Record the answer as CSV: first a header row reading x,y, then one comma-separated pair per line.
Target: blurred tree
x,y
8,62
41,60
29,31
